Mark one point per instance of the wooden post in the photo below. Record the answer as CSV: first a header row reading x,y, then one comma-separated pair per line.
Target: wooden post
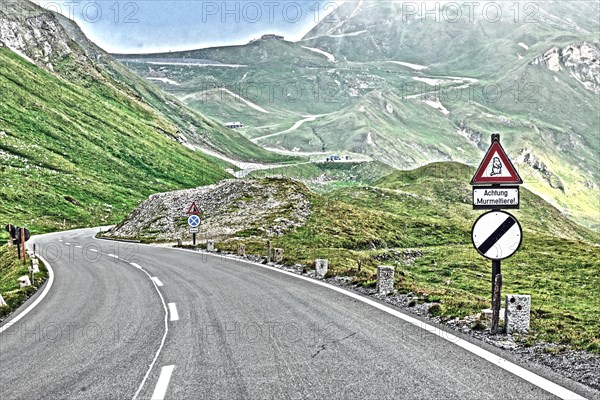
x,y
23,244
268,251
359,265
10,238
496,300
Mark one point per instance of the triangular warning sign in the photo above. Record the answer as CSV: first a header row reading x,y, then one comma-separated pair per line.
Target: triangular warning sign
x,y
194,210
496,168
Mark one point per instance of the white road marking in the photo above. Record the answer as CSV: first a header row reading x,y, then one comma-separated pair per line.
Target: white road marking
x,y
94,250
157,281
137,266
162,342
163,382
112,255
67,244
79,247
173,312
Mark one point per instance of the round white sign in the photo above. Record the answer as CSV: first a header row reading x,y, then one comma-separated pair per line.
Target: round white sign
x,y
497,235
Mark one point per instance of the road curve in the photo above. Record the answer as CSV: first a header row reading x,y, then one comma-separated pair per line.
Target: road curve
x,y
233,330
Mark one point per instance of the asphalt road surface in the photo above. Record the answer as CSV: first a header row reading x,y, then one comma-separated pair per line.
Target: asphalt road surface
x,y
125,321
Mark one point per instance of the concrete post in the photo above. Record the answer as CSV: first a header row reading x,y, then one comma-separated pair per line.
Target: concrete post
x,y
517,314
35,265
24,281
385,279
277,255
210,246
241,250
321,265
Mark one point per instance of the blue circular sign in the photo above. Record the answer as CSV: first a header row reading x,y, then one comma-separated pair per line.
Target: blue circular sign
x,y
194,221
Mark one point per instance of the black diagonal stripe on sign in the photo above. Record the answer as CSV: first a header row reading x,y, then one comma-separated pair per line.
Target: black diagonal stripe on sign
x,y
497,235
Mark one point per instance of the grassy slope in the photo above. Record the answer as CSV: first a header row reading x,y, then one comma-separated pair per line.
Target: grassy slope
x,y
427,211
11,269
87,141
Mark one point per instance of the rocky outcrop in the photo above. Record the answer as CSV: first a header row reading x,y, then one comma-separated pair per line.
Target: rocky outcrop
x,y
270,207
45,39
475,137
33,32
581,60
528,158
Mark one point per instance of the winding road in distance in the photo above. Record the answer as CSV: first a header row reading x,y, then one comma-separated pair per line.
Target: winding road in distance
x,y
124,321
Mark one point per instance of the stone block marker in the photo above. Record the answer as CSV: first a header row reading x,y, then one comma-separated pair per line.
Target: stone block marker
x,y
210,246
385,279
321,266
277,255
518,308
35,265
241,250
2,302
24,281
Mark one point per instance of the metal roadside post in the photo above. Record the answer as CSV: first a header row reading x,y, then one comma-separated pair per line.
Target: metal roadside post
x,y
23,240
496,234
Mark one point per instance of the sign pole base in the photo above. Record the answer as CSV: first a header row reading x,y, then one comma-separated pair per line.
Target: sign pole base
x,y
496,300
194,238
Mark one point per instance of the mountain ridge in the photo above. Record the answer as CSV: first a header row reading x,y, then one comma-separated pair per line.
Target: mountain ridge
x,y
412,91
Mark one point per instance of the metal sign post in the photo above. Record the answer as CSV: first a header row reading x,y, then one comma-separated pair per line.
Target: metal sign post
x,y
496,234
194,223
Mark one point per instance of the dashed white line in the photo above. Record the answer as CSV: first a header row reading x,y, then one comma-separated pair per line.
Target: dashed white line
x,y
173,312
94,250
163,382
112,255
79,247
162,342
157,281
67,244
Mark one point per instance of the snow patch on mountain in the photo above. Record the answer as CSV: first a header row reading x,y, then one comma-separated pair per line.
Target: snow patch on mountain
x,y
329,56
409,65
164,80
338,36
435,103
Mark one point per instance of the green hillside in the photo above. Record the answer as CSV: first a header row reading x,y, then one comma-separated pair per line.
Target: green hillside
x,y
420,222
407,91
323,177
83,155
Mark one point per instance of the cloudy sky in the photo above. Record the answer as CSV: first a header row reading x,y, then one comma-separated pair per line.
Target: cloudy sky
x,y
123,26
